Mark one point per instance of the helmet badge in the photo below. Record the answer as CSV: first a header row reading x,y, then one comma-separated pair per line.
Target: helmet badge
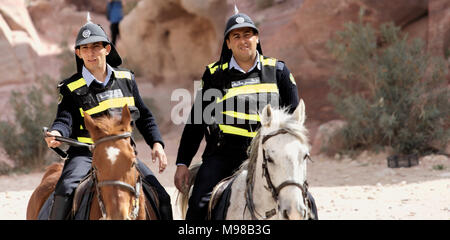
x,y
86,33
240,20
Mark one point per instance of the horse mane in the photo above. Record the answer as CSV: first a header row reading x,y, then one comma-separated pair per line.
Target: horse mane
x,y
110,125
281,118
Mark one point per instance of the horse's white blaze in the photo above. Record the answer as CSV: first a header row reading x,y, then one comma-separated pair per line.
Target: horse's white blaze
x,y
112,154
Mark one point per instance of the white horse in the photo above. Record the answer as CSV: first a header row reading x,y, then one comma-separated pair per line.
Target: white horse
x,y
271,184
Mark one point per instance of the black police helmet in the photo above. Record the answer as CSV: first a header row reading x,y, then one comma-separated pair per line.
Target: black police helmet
x,y
90,33
239,20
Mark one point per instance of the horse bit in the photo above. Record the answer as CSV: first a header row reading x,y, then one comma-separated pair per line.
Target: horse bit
x,y
276,190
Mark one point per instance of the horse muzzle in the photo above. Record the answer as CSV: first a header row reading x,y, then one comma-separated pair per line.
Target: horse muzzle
x,y
290,207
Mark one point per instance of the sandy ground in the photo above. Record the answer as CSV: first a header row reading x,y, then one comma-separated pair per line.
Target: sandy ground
x,y
360,188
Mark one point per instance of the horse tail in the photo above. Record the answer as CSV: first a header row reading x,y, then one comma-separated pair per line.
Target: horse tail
x,y
183,197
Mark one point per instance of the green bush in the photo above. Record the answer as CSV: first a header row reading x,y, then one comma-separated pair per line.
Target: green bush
x,y
447,53
21,135
389,90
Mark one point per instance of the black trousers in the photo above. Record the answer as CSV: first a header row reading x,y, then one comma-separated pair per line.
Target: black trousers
x,y
75,169
78,167
213,169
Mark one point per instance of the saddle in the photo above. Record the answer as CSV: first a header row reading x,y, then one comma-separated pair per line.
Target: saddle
x,y
220,199
84,195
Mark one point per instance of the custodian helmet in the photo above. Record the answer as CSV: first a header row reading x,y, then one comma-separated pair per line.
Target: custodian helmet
x,y
90,33
238,20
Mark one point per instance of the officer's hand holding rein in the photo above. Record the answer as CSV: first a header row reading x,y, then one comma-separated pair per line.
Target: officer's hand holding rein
x,y
50,139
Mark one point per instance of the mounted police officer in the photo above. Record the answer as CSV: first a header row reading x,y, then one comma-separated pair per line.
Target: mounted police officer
x,y
99,87
247,81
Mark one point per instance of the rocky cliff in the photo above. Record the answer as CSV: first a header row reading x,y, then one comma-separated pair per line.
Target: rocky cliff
x,y
19,42
171,41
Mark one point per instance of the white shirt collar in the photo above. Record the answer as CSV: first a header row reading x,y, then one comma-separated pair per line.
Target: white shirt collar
x,y
89,78
235,65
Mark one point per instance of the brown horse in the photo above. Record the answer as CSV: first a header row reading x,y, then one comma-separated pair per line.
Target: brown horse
x,y
118,185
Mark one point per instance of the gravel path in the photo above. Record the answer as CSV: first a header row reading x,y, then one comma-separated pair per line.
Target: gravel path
x,y
362,188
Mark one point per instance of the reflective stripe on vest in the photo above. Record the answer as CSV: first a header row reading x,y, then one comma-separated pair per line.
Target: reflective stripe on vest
x,y
212,69
250,89
111,103
264,61
81,82
267,85
236,131
76,84
85,140
251,117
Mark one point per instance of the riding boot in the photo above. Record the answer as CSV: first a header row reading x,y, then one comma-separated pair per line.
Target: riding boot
x,y
165,211
61,208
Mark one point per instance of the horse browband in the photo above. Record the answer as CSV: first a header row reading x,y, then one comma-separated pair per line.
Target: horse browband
x,y
111,137
280,131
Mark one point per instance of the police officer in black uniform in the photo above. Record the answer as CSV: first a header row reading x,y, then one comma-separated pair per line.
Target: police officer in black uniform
x,y
247,81
99,87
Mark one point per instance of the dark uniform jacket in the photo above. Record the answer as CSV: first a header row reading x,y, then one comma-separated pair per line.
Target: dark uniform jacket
x,y
273,84
76,97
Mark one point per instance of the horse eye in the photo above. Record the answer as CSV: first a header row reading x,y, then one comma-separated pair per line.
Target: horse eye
x,y
269,159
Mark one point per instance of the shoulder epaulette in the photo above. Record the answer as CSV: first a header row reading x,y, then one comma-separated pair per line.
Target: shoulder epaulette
x,y
267,60
67,81
215,65
280,65
123,73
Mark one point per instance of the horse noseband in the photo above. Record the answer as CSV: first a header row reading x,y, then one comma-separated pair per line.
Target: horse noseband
x,y
136,191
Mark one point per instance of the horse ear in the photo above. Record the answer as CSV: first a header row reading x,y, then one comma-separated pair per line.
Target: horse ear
x,y
89,122
126,116
299,113
266,117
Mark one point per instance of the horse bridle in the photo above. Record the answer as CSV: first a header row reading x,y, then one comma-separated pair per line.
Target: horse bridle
x,y
276,190
136,190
